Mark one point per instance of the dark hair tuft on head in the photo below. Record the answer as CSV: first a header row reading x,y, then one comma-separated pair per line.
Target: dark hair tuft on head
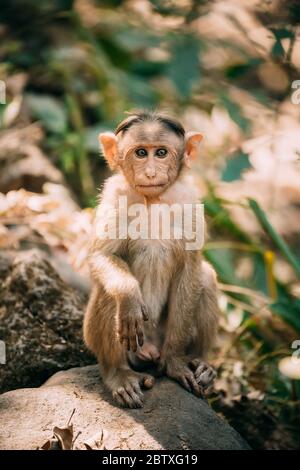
x,y
172,125
142,116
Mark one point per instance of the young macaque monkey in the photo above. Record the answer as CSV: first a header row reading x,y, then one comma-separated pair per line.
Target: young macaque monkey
x,y
153,301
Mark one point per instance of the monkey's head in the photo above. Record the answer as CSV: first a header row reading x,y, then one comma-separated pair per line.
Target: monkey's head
x,y
150,149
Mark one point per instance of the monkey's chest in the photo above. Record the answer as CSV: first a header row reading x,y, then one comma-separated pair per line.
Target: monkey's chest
x,y
154,264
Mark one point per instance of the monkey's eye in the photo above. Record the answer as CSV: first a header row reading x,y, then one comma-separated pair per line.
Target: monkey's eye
x,y
141,153
161,153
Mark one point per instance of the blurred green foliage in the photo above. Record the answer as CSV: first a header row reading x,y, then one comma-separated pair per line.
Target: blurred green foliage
x,y
89,63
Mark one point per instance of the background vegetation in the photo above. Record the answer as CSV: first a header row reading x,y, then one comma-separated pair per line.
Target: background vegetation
x,y
225,68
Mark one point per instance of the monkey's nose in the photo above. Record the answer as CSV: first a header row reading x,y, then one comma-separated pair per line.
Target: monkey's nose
x,y
150,172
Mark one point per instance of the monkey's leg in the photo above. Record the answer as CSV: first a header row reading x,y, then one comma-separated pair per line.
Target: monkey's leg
x,y
191,327
100,336
207,315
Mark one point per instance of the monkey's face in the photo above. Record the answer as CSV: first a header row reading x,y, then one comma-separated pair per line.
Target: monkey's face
x,y
150,153
151,169
150,157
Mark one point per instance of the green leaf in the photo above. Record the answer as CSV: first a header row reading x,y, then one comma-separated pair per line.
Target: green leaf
x,y
133,39
139,91
90,136
184,67
49,111
235,112
289,310
235,166
238,70
282,33
223,262
68,161
277,49
276,238
258,280
222,219
279,34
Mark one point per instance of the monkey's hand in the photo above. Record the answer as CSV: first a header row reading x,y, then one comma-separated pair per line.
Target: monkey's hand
x,y
131,316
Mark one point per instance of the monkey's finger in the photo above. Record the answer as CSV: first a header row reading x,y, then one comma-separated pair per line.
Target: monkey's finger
x,y
204,368
199,371
138,390
136,398
133,343
140,333
206,378
185,383
118,399
144,313
194,386
126,334
132,335
127,399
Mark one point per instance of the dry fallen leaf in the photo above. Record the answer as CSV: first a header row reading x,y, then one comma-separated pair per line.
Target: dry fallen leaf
x,y
51,444
64,436
97,441
62,439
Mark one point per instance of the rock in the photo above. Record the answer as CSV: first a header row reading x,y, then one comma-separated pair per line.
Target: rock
x,y
171,418
40,321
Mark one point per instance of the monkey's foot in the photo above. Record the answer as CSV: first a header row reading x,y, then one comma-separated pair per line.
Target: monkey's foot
x,y
203,372
179,370
126,388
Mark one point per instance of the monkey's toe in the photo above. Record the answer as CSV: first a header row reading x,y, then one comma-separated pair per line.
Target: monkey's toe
x,y
148,381
128,396
187,380
204,373
185,376
128,393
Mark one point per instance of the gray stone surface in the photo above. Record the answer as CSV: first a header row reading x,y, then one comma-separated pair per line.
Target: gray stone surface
x,y
171,418
40,321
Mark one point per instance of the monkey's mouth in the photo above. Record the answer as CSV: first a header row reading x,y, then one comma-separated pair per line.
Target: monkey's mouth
x,y
150,186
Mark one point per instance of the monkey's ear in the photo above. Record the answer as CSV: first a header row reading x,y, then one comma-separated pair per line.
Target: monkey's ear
x,y
108,142
192,142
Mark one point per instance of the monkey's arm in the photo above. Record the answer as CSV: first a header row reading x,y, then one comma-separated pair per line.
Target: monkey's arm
x,y
113,272
108,268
